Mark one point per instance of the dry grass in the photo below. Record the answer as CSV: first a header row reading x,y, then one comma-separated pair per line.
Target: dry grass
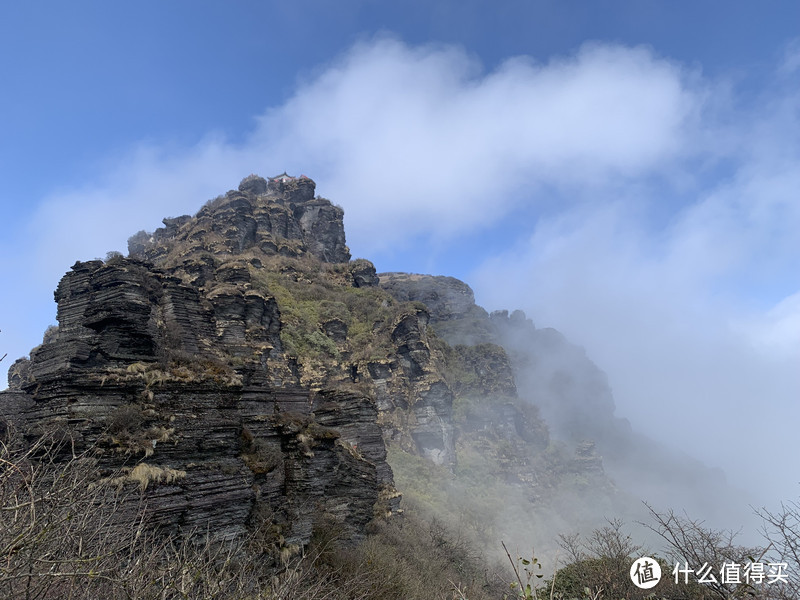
x,y
144,475
63,534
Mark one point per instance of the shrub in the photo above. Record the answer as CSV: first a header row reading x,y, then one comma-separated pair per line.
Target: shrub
x,y
66,533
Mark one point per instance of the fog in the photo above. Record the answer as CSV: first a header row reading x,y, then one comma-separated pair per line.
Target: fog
x,y
647,212
575,398
690,358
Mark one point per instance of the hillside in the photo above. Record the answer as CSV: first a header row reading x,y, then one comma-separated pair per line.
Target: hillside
x,y
240,374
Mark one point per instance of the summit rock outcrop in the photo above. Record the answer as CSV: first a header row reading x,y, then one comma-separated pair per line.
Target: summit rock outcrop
x,y
280,216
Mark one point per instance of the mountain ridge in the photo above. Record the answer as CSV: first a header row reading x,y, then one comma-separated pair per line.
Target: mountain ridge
x,y
259,375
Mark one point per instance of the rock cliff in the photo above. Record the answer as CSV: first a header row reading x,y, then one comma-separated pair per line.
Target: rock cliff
x,y
237,374
498,426
240,372
170,363
537,376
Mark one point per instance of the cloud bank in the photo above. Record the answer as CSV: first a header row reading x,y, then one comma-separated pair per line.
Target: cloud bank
x,y
661,207
419,141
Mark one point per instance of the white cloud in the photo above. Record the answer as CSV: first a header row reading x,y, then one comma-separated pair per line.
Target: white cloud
x,y
791,58
413,141
776,332
696,317
428,138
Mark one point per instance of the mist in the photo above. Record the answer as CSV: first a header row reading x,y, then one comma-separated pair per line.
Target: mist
x,y
575,398
691,359
643,210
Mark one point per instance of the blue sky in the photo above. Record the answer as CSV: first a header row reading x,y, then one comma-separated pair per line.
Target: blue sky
x,y
625,171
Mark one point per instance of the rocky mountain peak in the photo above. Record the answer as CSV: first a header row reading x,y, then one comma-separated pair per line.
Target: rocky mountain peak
x,y
447,298
280,215
191,357
242,375
242,349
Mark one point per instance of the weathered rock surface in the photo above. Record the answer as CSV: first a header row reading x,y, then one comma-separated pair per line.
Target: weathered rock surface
x,y
451,303
490,418
446,297
215,455
281,216
170,363
505,354
240,371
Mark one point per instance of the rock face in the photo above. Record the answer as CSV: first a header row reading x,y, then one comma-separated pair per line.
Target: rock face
x,y
279,216
149,369
240,371
220,457
490,418
539,364
451,303
447,298
170,364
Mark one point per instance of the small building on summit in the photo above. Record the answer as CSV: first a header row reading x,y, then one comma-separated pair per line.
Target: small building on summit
x,y
285,178
301,187
282,178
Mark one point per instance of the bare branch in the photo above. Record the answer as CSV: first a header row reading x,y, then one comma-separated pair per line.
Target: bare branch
x,y
691,542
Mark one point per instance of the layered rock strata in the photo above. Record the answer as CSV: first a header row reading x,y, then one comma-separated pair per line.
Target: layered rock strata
x,y
169,365
221,371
